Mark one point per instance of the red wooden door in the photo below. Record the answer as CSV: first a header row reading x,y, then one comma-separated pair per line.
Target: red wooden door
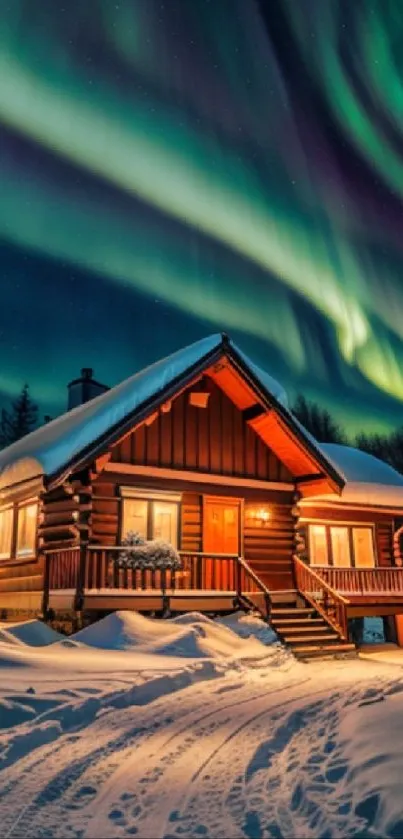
x,y
220,535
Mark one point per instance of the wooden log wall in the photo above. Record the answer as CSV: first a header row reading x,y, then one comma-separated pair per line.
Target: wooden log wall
x,y
384,543
213,439
59,518
105,517
269,547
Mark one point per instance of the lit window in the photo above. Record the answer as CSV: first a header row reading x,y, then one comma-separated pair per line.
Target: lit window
x,y
135,516
363,547
26,534
318,544
152,516
340,546
6,532
165,522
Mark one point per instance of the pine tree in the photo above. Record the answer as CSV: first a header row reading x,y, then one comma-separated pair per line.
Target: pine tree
x,y
4,428
20,420
318,421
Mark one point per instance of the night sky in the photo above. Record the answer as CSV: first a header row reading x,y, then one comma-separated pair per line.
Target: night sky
x,y
172,169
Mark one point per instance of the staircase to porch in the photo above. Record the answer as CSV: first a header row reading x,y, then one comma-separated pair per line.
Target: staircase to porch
x,y
307,633
318,628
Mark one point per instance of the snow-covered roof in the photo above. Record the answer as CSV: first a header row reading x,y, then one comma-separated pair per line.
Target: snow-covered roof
x,y
369,481
54,447
49,449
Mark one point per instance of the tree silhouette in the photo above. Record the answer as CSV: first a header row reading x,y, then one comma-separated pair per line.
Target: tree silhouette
x,y
388,447
318,421
19,420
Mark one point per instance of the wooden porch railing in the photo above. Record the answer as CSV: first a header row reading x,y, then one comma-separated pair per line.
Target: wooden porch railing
x,y
63,568
325,599
217,572
200,571
364,581
249,583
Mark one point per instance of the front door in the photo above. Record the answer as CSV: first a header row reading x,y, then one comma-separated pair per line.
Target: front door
x,y
221,534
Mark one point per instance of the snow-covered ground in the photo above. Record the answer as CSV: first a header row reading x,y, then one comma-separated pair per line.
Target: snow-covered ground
x,y
194,728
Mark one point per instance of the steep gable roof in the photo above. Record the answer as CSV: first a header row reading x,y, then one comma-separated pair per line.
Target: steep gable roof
x,y
68,441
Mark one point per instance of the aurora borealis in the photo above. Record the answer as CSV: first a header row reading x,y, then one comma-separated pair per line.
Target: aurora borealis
x,y
175,168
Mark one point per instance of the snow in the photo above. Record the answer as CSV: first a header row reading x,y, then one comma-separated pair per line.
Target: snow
x,y
190,636
369,481
51,448
130,741
33,632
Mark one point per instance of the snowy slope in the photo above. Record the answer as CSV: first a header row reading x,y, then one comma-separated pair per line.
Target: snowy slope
x,y
150,745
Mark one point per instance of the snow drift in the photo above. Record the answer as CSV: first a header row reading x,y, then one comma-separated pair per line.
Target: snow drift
x,y
188,636
32,633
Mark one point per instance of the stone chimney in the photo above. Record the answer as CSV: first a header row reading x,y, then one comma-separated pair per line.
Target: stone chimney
x,y
83,389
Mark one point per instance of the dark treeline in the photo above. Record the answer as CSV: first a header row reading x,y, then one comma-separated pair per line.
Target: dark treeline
x,y
317,420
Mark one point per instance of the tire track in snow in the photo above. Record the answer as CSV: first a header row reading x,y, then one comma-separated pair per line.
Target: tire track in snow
x,y
155,818
175,761
66,764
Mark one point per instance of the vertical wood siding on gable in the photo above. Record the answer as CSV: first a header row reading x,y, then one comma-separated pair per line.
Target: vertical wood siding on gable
x,y
215,439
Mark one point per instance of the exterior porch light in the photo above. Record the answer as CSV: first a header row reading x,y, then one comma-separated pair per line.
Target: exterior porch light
x,y
263,515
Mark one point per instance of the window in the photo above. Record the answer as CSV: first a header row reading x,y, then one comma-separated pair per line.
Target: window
x,y
363,547
152,515
26,533
135,516
6,532
318,544
165,522
340,542
341,545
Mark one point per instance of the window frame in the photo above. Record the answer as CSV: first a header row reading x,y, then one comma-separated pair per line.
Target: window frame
x,y
7,556
373,542
14,558
351,526
29,553
151,496
310,543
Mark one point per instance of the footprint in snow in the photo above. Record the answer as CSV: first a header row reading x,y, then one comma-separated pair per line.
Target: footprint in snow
x,y
117,816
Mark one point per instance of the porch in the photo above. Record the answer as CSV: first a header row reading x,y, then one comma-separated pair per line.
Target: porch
x,y
89,579
340,594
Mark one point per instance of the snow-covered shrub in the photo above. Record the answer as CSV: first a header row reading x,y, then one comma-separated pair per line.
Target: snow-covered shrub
x,y
138,554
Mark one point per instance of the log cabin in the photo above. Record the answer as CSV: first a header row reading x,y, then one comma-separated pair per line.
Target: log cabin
x,y
201,450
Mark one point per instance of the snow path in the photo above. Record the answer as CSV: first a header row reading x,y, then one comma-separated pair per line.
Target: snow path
x,y
249,753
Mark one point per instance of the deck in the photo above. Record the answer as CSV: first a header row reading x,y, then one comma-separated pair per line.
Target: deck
x,y
90,579
339,594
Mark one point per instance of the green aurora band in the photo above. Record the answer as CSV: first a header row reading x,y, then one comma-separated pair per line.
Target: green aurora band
x,y
232,217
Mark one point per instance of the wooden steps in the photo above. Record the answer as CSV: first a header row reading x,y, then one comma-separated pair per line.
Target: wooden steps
x,y
341,650
308,634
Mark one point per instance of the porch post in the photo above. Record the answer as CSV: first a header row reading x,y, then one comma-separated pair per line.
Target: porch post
x,y
83,487
79,598
299,546
45,596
